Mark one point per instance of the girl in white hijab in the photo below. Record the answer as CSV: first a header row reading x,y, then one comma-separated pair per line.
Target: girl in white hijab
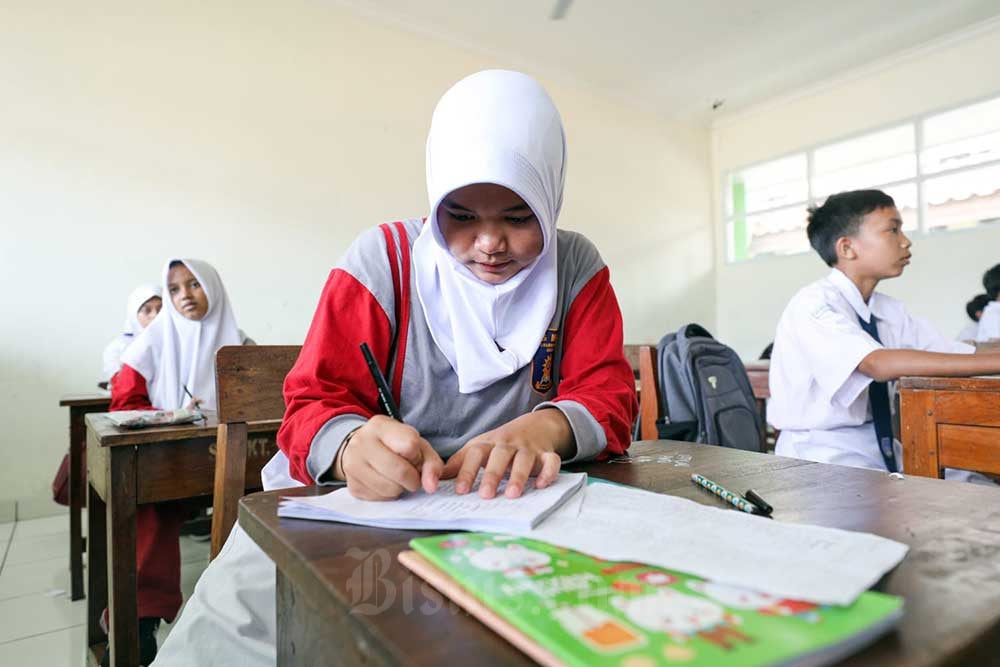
x,y
169,366
500,337
172,364
143,306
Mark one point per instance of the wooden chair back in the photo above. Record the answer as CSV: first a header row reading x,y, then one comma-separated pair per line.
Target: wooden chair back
x,y
248,383
649,392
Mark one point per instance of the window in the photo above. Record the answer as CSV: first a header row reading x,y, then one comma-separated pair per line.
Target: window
x,y
943,171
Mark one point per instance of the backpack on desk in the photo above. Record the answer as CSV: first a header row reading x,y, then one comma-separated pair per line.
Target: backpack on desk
x,y
705,394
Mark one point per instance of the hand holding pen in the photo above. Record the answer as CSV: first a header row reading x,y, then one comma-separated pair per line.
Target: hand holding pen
x,y
384,458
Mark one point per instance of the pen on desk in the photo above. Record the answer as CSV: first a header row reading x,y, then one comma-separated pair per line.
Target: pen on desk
x,y
384,393
733,499
759,502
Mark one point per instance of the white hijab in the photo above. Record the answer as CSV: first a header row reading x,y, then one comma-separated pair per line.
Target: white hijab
x,y
174,352
139,296
495,127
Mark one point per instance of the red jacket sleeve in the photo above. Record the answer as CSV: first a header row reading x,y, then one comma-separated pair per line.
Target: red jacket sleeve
x,y
330,377
594,371
128,391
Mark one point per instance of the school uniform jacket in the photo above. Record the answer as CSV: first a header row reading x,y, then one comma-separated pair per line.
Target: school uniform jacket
x,y
579,367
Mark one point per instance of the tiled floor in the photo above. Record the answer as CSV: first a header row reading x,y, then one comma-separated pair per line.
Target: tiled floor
x,y
39,625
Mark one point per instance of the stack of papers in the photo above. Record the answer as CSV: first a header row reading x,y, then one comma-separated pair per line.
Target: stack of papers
x,y
144,418
442,510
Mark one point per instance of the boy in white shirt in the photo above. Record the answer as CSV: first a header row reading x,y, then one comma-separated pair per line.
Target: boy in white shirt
x,y
839,342
989,322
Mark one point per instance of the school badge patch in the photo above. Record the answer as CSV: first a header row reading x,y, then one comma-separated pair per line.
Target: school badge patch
x,y
541,363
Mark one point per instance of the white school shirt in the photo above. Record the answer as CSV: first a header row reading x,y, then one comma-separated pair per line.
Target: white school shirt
x,y
968,332
989,323
819,398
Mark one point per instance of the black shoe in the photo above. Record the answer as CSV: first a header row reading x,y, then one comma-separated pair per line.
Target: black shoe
x,y
147,642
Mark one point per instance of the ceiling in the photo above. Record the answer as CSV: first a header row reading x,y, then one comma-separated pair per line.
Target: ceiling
x,y
678,57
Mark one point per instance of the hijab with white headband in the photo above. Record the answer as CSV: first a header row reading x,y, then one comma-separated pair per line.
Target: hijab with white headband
x,y
174,352
131,329
496,127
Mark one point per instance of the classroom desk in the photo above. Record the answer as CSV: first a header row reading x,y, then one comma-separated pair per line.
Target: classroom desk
x,y
79,406
949,423
127,468
341,591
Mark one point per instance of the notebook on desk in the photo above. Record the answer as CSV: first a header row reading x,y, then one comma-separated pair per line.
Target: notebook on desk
x,y
562,607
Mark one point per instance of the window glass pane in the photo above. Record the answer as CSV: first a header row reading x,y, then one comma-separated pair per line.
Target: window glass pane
x,y
905,197
963,200
865,162
769,185
963,137
781,232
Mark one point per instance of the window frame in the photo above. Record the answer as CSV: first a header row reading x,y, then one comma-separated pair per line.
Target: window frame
x,y
916,122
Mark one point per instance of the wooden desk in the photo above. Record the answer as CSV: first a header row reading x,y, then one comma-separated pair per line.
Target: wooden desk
x,y
949,423
79,406
127,468
341,592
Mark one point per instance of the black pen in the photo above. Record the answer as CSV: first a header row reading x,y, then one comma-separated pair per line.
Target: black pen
x,y
759,503
384,393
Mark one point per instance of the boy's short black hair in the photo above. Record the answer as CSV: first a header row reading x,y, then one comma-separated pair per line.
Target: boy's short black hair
x,y
976,305
841,215
991,282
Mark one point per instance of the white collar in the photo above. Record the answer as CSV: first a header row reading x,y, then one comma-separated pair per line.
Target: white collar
x,y
852,294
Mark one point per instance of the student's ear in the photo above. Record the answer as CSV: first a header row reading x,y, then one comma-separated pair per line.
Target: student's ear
x,y
845,248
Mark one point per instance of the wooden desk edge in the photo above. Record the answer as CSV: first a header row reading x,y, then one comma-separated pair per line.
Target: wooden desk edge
x,y
83,400
108,435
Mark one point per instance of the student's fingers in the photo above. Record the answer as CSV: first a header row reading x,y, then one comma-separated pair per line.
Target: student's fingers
x,y
551,463
430,470
359,490
400,438
496,466
454,464
520,470
472,461
393,467
383,487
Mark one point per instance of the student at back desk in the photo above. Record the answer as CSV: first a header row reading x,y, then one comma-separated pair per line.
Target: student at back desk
x,y
172,365
989,321
839,342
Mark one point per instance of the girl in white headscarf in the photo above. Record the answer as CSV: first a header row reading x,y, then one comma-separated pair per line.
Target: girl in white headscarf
x,y
500,336
143,306
169,366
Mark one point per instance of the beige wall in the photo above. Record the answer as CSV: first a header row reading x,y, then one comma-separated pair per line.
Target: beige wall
x,y
947,268
263,137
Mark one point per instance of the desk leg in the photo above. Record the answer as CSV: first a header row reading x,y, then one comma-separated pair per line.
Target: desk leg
x,y
918,426
121,544
97,569
77,487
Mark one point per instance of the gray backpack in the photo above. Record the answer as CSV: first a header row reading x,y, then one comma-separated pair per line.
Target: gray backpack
x,y
705,394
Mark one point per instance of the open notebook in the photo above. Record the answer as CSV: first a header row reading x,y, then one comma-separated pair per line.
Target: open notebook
x,y
562,607
443,510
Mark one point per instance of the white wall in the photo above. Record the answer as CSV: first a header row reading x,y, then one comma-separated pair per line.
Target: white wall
x,y
947,268
263,137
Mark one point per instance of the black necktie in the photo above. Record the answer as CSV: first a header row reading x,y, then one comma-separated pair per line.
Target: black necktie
x,y
878,398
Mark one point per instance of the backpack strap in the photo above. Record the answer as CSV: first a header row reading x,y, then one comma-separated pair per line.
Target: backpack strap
x,y
399,266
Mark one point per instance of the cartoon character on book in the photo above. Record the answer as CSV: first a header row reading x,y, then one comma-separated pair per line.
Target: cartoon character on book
x,y
682,617
735,597
514,560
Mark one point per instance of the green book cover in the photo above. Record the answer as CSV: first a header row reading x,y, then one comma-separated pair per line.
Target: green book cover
x,y
587,611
